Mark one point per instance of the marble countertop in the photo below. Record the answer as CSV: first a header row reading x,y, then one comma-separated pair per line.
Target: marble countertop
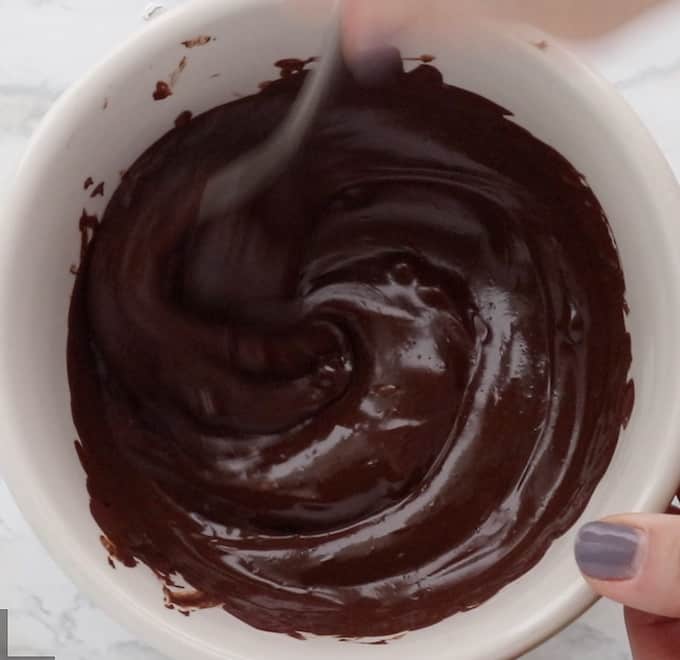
x,y
47,44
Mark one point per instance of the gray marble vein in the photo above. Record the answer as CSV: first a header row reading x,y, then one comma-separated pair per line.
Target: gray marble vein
x,y
650,75
23,106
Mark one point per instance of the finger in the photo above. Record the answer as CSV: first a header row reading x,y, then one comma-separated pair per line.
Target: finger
x,y
372,26
571,18
652,637
369,24
368,28
634,560
370,21
366,23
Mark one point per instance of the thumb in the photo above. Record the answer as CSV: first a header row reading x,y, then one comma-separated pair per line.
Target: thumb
x,y
634,560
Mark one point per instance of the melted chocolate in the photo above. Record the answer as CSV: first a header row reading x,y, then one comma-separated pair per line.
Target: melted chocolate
x,y
162,91
183,118
412,384
201,40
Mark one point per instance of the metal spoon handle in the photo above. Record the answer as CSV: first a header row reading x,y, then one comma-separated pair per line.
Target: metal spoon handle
x,y
242,178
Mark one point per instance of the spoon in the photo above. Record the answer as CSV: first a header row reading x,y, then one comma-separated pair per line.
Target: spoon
x,y
221,236
242,179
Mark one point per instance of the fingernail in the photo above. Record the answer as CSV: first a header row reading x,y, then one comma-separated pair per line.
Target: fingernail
x,y
605,551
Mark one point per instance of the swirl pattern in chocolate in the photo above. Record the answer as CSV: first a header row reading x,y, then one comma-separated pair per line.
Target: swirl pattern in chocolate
x,y
411,379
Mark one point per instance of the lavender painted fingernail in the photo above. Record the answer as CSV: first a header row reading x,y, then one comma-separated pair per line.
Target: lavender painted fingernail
x,y
605,551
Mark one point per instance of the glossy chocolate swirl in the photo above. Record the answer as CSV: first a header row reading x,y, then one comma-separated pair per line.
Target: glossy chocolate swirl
x,y
410,383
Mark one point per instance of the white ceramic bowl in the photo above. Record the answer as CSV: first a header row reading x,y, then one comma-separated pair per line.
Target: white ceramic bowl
x,y
104,123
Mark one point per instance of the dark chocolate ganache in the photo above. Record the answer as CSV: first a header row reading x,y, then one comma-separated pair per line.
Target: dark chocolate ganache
x,y
412,379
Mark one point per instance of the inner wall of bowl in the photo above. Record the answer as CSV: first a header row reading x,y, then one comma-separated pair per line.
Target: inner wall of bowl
x,y
104,125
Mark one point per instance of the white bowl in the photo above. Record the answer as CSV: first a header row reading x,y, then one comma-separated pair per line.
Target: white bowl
x,y
104,123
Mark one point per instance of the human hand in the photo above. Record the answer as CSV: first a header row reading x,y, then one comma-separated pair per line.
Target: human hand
x,y
635,560
368,22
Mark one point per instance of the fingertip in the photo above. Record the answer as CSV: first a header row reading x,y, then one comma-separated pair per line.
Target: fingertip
x,y
634,560
363,37
609,551
378,66
370,26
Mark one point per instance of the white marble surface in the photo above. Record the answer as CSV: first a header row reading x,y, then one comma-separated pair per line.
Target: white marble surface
x,y
47,44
